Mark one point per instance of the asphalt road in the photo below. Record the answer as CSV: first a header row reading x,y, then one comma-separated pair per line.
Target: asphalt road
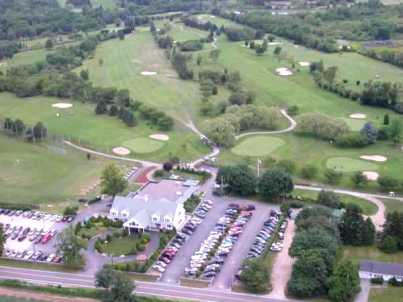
x,y
142,288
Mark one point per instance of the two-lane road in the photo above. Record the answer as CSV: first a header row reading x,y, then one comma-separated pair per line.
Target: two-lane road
x,y
142,288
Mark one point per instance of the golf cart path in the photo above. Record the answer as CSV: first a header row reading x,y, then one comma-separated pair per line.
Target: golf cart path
x,y
291,127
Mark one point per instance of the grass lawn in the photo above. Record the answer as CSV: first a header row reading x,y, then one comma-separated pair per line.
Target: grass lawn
x,y
106,4
100,132
143,145
354,124
257,146
24,58
386,294
367,207
217,20
305,150
180,32
356,254
393,205
14,299
121,246
346,164
37,173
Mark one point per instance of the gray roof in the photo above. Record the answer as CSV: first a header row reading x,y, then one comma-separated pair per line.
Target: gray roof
x,y
382,268
142,204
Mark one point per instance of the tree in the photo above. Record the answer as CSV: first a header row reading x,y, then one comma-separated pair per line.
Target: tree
x,y
359,179
275,183
39,131
214,54
386,119
2,239
354,230
344,282
167,166
395,131
255,276
388,183
262,48
277,51
118,287
329,199
101,108
49,44
287,165
84,74
112,181
333,176
69,247
369,132
220,131
309,171
18,127
238,179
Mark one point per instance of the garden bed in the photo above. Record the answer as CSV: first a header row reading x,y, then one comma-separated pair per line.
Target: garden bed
x,y
122,245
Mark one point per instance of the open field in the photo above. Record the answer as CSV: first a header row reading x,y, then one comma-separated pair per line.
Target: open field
x,y
393,205
100,132
36,173
257,146
368,208
389,294
305,150
106,4
356,254
23,58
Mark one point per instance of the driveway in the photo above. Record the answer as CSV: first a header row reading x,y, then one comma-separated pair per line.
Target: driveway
x,y
282,266
239,252
363,295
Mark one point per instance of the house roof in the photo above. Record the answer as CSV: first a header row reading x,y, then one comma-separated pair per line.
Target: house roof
x,y
382,268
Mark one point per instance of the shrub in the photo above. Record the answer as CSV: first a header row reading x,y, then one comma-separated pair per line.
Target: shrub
x,y
329,199
378,280
333,176
287,165
309,171
351,140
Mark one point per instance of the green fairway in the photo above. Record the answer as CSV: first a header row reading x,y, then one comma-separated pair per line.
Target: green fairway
x,y
346,164
354,124
386,294
36,173
100,132
123,62
180,32
257,146
24,58
143,145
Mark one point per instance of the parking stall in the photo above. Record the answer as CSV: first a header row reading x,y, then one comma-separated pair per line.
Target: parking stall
x,y
30,235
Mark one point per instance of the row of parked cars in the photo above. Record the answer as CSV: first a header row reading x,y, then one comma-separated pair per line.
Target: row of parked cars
x,y
36,215
230,239
181,237
264,235
279,244
36,236
203,256
29,255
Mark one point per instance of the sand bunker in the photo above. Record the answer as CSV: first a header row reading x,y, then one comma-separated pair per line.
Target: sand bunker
x,y
283,71
377,158
121,151
274,43
148,73
304,64
371,175
160,137
358,115
62,105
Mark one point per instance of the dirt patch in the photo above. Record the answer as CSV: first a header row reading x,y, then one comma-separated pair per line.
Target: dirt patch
x,y
121,151
282,266
377,158
371,175
160,137
62,105
358,116
24,294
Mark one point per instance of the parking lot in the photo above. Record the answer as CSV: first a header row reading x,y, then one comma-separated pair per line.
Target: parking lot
x,y
31,235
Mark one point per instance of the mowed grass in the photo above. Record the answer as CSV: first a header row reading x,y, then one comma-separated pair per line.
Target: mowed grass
x,y
15,299
123,62
143,145
354,124
356,254
393,205
386,294
180,32
24,58
99,132
36,173
257,146
217,20
346,164
106,4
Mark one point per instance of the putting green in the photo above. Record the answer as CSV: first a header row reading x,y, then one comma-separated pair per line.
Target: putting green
x,y
143,145
257,146
347,164
354,124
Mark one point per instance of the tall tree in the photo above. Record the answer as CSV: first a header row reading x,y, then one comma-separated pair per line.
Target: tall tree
x,y
354,230
275,183
69,246
112,180
344,283
118,287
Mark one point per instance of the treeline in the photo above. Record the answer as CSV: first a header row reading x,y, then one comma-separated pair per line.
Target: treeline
x,y
149,7
372,93
18,128
8,49
386,55
391,239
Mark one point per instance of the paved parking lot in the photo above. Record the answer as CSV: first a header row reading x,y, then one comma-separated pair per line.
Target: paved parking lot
x,y
239,252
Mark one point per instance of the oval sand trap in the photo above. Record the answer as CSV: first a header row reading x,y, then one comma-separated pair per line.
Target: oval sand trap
x,y
347,164
62,105
121,151
143,145
257,146
304,64
160,137
148,73
283,71
377,158
358,115
371,175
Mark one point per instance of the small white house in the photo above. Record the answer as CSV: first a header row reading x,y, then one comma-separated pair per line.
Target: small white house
x,y
374,269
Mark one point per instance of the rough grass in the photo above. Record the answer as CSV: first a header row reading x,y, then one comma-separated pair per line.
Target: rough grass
x,y
257,146
34,173
24,58
100,132
143,145
346,164
393,205
106,4
14,299
356,254
389,294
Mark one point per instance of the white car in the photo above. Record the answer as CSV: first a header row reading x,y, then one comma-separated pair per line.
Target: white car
x,y
159,268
